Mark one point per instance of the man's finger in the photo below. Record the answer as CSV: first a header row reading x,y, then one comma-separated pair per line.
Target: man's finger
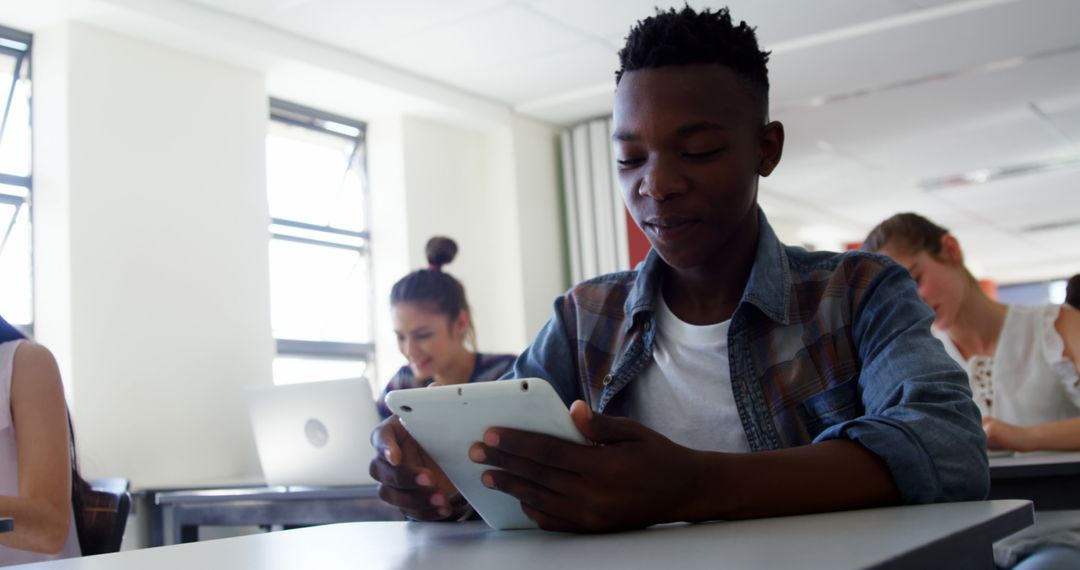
x,y
401,477
538,497
539,448
599,428
384,438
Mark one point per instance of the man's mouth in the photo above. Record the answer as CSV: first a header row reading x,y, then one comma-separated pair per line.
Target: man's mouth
x,y
668,228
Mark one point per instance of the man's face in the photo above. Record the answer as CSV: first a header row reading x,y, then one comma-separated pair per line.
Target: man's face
x,y
690,146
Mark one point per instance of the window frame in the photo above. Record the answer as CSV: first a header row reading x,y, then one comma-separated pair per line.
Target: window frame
x,y
9,36
313,119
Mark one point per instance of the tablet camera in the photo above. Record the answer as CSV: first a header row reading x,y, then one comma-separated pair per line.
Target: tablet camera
x,y
525,386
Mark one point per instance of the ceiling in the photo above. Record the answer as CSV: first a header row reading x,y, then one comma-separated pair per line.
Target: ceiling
x,y
882,100
879,99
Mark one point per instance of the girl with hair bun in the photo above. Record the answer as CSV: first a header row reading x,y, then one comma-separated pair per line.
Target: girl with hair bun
x,y
434,329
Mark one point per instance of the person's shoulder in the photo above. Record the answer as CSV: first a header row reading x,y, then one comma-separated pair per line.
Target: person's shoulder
x,y
1067,325
603,290
492,366
403,378
492,359
35,373
856,268
30,355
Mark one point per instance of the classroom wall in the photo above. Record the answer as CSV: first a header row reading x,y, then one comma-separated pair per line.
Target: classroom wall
x,y
151,242
153,280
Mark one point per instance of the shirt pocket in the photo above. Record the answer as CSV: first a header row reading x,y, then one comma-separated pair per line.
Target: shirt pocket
x,y
831,407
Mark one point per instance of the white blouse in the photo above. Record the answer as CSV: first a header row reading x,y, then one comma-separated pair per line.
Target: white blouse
x,y
1028,380
9,467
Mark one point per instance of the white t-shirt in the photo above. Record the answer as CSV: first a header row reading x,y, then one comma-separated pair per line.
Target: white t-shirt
x,y
9,467
685,393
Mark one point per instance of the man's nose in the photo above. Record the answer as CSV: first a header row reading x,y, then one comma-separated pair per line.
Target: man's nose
x,y
662,179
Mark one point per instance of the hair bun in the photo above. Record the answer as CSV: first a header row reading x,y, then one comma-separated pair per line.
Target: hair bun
x,y
440,250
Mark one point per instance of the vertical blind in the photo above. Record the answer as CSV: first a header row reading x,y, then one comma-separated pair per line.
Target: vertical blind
x,y
595,215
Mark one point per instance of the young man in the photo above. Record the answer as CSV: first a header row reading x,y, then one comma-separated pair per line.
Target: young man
x,y
729,376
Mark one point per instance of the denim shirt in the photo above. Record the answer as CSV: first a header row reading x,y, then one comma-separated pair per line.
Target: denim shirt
x,y
822,346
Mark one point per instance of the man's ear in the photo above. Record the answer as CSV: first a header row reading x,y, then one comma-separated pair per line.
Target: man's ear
x,y
771,148
950,250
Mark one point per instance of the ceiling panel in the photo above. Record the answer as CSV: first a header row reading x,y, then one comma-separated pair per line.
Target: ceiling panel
x,y
947,44
507,35
546,75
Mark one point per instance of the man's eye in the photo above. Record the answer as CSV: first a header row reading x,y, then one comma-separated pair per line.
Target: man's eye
x,y
704,154
629,162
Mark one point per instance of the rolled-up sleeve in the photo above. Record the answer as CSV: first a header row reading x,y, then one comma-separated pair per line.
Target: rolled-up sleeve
x,y
919,417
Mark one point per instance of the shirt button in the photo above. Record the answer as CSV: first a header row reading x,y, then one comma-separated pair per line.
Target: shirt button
x,y
607,379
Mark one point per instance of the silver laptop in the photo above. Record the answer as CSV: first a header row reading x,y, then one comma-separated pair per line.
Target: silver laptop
x,y
315,434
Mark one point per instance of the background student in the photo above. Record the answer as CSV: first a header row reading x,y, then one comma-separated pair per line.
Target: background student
x,y
435,330
36,454
1022,362
730,376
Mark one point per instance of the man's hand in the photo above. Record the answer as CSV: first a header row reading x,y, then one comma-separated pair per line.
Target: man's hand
x,y
409,479
632,478
1005,436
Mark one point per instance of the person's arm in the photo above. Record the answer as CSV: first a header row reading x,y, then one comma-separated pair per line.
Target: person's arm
x,y
1062,435
634,477
42,509
918,415
1068,326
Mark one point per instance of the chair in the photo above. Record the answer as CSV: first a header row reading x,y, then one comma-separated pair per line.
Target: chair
x,y
101,513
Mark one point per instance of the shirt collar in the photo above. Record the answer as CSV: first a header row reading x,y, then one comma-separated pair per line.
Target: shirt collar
x,y
768,288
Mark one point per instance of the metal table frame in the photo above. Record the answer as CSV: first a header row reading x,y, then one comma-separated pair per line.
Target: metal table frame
x,y
1051,480
176,515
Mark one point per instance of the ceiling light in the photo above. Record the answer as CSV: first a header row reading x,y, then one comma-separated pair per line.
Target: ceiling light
x,y
985,175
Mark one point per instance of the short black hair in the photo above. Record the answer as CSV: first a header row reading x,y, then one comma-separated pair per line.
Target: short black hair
x,y
678,37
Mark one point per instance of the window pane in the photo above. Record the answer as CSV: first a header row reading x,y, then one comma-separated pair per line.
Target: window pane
x,y
319,293
16,287
314,177
15,146
294,370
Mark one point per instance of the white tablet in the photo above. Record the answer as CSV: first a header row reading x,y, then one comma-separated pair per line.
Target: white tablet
x,y
448,420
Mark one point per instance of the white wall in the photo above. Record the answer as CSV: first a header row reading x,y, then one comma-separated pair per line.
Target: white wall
x,y
450,176
542,243
153,281
151,241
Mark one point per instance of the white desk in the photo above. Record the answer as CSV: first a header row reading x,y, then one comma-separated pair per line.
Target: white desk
x,y
1050,479
956,535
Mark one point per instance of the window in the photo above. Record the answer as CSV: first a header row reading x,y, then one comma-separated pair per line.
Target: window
x,y
16,259
320,254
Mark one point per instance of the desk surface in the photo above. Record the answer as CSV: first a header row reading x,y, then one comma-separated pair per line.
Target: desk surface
x,y
7,524
913,536
1036,464
265,494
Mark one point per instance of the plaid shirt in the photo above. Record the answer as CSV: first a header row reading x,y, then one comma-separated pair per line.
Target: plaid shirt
x,y
822,346
488,367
